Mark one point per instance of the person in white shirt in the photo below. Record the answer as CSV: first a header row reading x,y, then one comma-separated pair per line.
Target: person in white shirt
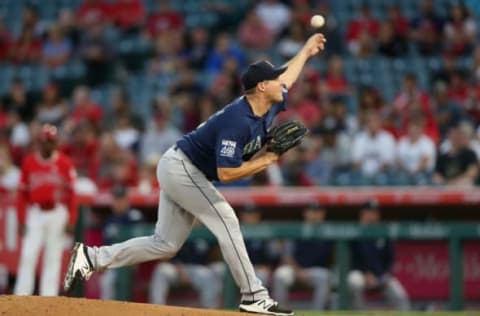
x,y
159,136
373,152
416,155
274,14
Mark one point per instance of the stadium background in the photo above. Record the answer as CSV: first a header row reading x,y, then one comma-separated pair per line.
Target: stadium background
x,y
108,80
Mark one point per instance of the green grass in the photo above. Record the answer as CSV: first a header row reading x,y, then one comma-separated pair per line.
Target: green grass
x,y
386,313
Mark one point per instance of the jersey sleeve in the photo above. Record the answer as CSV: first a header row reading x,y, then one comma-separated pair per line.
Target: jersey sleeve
x,y
229,145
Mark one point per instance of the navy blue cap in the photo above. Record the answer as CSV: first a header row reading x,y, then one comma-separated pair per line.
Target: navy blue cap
x,y
260,71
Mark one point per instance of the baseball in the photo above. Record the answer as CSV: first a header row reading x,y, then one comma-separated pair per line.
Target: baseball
x,y
317,21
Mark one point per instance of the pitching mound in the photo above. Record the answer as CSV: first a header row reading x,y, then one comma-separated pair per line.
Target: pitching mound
x,y
61,306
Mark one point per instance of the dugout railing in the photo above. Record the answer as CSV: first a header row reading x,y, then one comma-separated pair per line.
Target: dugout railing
x,y
341,234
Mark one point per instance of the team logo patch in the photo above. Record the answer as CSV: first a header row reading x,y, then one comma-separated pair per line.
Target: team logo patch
x,y
228,148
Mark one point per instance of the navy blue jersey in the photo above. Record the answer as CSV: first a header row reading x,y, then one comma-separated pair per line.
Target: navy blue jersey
x,y
313,252
258,252
375,256
194,251
229,137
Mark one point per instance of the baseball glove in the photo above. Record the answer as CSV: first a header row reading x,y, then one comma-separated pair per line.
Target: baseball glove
x,y
284,136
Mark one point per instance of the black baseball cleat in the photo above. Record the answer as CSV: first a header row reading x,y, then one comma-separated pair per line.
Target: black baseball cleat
x,y
265,306
80,267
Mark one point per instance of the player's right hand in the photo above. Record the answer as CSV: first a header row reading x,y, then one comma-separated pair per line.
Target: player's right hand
x,y
315,44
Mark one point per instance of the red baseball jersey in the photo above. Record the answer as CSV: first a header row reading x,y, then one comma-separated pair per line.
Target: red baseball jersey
x,y
47,182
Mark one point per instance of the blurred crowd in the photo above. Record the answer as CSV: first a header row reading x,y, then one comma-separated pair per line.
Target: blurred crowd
x,y
124,79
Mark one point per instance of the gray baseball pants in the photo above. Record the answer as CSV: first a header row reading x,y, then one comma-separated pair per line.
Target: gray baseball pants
x,y
186,194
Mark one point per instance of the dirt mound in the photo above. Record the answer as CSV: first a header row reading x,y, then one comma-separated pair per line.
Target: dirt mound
x,y
67,306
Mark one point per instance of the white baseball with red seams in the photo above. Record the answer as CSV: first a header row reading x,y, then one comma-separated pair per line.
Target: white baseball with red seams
x,y
317,21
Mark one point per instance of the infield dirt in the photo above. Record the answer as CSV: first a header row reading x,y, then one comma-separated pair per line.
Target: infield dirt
x,y
11,305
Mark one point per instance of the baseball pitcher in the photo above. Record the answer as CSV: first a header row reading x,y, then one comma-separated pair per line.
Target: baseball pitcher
x,y
47,192
234,143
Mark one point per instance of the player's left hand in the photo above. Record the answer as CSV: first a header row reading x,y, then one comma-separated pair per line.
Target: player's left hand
x,y
315,44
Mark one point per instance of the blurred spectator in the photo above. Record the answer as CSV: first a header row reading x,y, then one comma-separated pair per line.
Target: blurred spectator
x,y
372,264
5,41
197,47
338,112
207,106
167,58
93,11
57,48
121,106
27,48
445,72
307,262
426,30
113,165
69,27
159,135
361,30
165,19
223,50
52,109
389,43
274,14
82,145
413,101
460,31
19,100
147,181
302,107
84,108
373,151
293,164
9,173
125,133
416,154
122,215
399,22
187,85
458,89
293,41
370,100
459,164
226,86
334,155
30,21
475,71
448,113
335,84
96,53
19,135
253,33
128,15
189,267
